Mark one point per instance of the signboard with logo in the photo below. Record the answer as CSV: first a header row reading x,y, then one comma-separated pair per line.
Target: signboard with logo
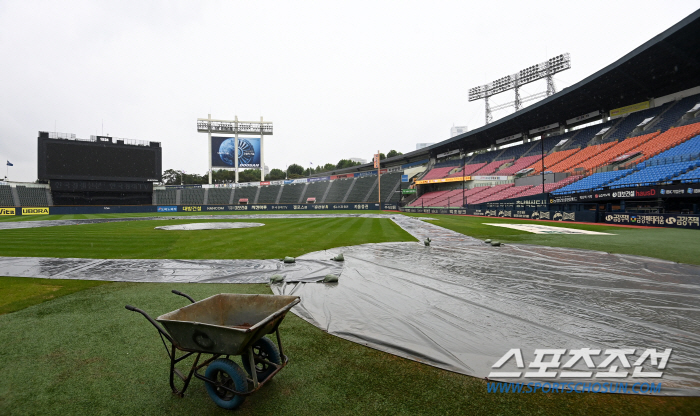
x,y
224,153
7,211
617,112
167,209
445,180
35,211
408,191
665,191
654,220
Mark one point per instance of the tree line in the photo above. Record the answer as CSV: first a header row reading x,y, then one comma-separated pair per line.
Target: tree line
x,y
293,171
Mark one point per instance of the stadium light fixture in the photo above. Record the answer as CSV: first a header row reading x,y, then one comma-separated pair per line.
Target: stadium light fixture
x,y
543,70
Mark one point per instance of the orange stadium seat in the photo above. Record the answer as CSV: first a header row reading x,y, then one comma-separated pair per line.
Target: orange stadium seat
x,y
552,159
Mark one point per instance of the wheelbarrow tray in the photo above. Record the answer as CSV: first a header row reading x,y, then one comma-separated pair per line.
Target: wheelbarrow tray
x,y
226,323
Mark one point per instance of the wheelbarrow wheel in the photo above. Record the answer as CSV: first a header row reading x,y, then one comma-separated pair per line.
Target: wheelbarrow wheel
x,y
227,373
262,348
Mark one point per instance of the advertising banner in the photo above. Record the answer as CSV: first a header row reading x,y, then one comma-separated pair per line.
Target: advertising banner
x,y
167,209
629,109
444,180
664,191
7,211
404,178
35,211
408,191
223,152
654,220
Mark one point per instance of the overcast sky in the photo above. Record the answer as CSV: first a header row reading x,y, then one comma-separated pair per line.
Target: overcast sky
x,y
338,79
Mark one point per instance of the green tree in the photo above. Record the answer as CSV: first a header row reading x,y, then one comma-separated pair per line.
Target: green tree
x,y
295,170
223,176
249,175
275,175
393,153
346,163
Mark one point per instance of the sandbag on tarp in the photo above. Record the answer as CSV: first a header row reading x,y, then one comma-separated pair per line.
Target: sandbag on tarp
x,y
461,308
163,270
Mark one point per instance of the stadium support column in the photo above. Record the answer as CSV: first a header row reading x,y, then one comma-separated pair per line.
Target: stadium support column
x,y
235,144
209,154
262,152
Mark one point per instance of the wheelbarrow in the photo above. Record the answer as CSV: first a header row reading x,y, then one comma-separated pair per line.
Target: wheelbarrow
x,y
225,325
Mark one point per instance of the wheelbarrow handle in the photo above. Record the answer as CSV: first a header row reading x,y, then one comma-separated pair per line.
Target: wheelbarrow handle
x,y
184,295
152,321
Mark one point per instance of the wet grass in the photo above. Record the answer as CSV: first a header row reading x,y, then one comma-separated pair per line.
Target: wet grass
x,y
672,244
17,293
139,240
85,354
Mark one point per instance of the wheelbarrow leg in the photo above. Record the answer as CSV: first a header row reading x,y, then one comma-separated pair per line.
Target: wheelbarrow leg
x,y
175,372
253,372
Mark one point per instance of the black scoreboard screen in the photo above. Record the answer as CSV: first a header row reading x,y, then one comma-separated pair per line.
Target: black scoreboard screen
x,y
100,160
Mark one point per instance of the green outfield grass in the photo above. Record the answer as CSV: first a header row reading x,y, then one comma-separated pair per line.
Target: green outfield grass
x,y
85,354
17,293
139,240
672,244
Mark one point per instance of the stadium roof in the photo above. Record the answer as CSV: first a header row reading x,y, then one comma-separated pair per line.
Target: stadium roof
x,y
666,64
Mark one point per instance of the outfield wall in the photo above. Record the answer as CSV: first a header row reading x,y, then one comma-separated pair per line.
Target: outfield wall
x,y
131,209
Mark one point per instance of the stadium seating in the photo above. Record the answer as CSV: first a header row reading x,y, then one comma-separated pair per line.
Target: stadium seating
x,y
519,165
166,196
490,168
631,121
219,196
291,193
683,152
485,157
6,199
668,139
468,170
315,190
618,149
690,176
549,143
653,174
477,199
245,192
671,117
510,192
595,181
438,173
587,133
361,189
268,194
515,152
192,196
32,197
389,180
552,159
339,187
427,198
567,164
548,187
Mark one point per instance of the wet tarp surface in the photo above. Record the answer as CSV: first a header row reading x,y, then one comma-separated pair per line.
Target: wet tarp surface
x,y
163,270
209,226
461,305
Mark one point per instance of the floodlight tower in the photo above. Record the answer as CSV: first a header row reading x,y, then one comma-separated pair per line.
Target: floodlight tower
x,y
545,69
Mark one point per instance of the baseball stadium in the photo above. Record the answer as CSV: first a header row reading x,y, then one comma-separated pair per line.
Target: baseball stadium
x,y
545,263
